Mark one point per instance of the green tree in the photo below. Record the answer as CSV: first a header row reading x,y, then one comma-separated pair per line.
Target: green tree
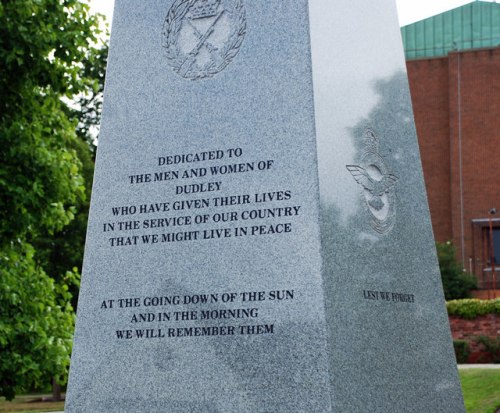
x,y
456,282
42,46
88,111
64,250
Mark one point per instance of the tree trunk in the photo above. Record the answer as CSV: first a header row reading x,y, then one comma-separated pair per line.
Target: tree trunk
x,y
56,391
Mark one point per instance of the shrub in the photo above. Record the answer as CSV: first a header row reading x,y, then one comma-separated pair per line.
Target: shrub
x,y
491,346
462,350
473,308
456,282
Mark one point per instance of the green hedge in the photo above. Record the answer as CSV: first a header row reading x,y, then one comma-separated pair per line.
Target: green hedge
x,y
472,308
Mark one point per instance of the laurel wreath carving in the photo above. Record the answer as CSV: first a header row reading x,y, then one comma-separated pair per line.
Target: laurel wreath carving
x,y
172,28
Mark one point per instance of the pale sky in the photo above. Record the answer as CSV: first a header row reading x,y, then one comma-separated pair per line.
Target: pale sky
x,y
409,10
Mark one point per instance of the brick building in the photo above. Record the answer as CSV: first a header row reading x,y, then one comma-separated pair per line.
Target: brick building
x,y
453,62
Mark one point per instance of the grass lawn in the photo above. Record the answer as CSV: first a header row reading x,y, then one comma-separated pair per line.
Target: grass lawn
x,y
27,404
481,389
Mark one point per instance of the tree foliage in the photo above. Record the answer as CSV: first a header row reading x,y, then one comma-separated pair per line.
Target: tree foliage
x,y
35,322
89,108
64,249
456,282
43,45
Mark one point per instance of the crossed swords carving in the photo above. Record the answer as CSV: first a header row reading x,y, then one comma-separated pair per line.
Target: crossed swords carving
x,y
202,41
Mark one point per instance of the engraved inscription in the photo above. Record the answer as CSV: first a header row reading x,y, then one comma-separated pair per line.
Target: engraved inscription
x,y
201,37
378,184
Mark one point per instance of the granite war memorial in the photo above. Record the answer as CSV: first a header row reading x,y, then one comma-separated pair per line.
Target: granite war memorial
x,y
259,238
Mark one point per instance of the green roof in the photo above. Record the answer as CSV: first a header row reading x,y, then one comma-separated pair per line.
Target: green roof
x,y
474,25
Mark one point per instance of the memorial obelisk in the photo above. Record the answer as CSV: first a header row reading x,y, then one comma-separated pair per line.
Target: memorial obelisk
x,y
223,272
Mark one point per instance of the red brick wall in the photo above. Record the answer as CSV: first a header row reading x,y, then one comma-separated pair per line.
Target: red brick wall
x,y
479,135
429,92
487,325
456,101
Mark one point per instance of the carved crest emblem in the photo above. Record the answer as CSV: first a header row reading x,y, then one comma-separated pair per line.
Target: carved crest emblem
x,y
377,183
202,37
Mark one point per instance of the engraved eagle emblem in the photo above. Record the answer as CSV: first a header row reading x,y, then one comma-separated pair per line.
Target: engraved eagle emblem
x,y
378,184
201,37
377,188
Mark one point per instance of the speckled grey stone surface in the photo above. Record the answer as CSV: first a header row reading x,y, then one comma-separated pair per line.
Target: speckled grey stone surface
x,y
259,102
390,343
205,273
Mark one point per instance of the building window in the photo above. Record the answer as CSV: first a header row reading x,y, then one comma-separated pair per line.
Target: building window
x,y
484,240
496,246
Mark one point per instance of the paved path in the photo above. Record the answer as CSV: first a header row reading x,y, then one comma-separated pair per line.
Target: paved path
x,y
479,366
